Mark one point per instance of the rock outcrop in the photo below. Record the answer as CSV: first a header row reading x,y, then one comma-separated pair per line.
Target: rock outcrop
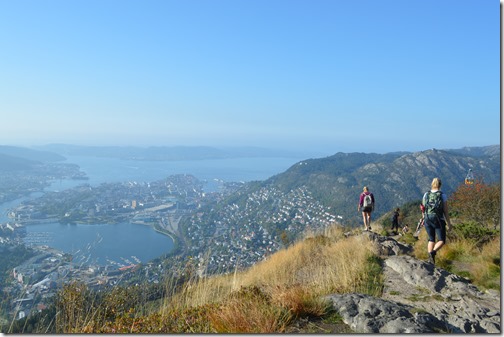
x,y
367,314
419,298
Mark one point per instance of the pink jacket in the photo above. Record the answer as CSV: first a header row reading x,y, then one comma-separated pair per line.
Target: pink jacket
x,y
361,200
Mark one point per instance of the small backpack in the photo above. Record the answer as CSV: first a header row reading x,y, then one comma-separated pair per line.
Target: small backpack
x,y
368,201
433,202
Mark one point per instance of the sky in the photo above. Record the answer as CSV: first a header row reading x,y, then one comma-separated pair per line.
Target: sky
x,y
321,75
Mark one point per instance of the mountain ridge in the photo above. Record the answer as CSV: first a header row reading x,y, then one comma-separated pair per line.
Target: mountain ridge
x,y
394,178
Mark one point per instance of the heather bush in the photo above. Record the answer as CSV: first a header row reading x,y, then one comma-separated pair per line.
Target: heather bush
x,y
478,203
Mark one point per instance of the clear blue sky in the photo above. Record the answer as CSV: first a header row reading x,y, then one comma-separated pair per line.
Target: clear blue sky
x,y
325,75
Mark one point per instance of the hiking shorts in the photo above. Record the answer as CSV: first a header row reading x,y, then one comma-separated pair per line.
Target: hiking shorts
x,y
435,227
368,209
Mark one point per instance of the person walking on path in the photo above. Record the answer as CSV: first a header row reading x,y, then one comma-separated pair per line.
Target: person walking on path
x,y
436,218
395,221
367,204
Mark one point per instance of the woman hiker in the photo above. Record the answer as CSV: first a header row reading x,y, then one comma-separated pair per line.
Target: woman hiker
x,y
436,218
367,203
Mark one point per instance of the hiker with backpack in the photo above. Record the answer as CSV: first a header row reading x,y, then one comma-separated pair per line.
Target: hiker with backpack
x,y
436,218
366,202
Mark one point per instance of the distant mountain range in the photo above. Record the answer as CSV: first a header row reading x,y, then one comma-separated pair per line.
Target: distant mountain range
x,y
167,152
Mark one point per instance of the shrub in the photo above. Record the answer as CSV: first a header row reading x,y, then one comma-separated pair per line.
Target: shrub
x,y
474,232
479,203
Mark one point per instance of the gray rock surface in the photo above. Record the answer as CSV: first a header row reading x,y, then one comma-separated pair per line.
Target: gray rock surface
x,y
447,296
419,298
388,246
367,314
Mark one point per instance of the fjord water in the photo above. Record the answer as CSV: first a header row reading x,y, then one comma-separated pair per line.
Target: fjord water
x,y
124,242
103,170
102,244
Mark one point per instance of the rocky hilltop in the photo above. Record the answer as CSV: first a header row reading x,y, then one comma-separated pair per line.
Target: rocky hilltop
x,y
418,298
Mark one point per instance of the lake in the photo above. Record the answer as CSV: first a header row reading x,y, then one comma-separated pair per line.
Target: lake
x,y
122,243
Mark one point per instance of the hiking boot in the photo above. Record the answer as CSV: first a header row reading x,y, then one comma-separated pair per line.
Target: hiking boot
x,y
432,257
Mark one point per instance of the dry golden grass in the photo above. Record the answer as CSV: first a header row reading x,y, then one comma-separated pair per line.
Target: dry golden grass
x,y
492,249
299,300
250,311
323,264
290,282
198,292
486,268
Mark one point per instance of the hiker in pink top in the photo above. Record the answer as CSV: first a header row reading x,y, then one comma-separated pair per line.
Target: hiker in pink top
x,y
366,202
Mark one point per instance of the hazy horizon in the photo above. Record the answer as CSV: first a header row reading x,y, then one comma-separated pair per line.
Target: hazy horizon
x,y
319,76
268,151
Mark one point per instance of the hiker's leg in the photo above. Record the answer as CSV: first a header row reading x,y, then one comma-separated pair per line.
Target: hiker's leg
x,y
441,235
431,234
430,246
432,251
438,245
364,218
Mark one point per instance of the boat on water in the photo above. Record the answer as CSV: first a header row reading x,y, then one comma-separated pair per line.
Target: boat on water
x,y
127,267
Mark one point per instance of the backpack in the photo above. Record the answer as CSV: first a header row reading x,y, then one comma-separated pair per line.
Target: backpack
x,y
368,201
433,202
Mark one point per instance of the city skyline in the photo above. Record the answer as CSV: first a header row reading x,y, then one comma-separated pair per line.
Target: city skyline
x,y
372,76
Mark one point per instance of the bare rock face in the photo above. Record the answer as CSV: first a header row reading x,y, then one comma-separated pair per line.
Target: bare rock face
x,y
419,298
367,314
451,298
